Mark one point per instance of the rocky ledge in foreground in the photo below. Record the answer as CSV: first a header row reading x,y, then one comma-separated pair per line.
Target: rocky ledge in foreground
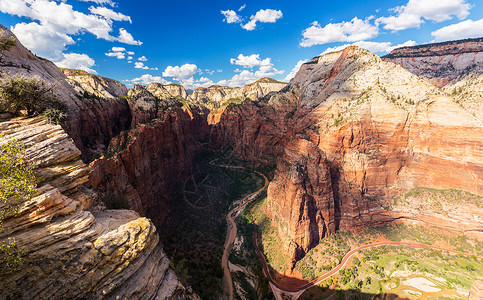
x,y
68,251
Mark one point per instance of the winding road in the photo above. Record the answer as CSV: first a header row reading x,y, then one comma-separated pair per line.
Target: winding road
x,y
279,290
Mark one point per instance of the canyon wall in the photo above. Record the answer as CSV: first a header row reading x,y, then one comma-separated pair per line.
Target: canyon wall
x,y
440,63
96,85
70,248
90,122
383,130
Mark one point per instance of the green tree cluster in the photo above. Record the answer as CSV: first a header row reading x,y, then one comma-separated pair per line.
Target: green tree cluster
x,y
32,95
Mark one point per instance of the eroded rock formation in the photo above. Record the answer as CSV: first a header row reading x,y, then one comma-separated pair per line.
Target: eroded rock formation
x,y
71,252
91,122
96,85
440,63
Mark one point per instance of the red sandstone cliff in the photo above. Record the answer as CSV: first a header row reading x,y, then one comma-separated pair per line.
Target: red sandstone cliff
x,y
383,130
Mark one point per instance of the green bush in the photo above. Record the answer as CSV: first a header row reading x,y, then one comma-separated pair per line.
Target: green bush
x,y
7,42
31,94
113,201
54,115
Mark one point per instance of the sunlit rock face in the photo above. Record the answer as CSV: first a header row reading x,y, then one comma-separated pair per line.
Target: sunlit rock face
x,y
440,63
91,123
382,129
71,249
96,85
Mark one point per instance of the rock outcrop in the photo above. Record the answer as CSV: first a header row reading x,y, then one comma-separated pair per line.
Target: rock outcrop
x,y
148,103
91,123
383,130
216,96
301,199
440,63
67,251
96,85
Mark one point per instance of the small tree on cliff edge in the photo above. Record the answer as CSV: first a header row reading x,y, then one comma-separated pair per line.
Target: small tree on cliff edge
x,y
31,94
17,185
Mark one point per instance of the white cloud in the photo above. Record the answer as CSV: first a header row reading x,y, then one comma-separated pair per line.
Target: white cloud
x,y
130,53
250,61
77,61
374,47
127,38
183,72
147,79
263,16
55,24
295,70
118,49
42,40
140,65
354,30
242,7
118,55
142,58
412,14
462,30
109,2
129,58
230,16
109,14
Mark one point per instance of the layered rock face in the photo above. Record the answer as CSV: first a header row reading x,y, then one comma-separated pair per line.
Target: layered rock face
x,y
176,90
148,103
68,251
302,202
91,122
440,63
96,85
384,131
216,96
148,163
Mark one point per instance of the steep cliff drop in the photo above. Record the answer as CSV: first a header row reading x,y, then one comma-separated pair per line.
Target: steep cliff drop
x,y
383,131
69,248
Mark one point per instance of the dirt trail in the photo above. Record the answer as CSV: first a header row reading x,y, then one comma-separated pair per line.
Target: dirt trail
x,y
232,229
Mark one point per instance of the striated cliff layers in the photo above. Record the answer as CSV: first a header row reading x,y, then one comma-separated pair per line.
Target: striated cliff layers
x,y
69,251
148,162
91,122
383,130
440,63
218,96
97,85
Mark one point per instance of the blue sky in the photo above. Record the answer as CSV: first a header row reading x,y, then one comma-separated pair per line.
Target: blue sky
x,y
200,43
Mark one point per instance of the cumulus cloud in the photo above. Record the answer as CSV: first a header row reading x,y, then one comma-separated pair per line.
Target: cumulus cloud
x,y
77,61
109,14
148,78
414,12
354,30
140,65
263,16
142,58
250,61
295,70
265,69
117,54
374,47
462,30
181,72
231,16
108,2
118,49
56,22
